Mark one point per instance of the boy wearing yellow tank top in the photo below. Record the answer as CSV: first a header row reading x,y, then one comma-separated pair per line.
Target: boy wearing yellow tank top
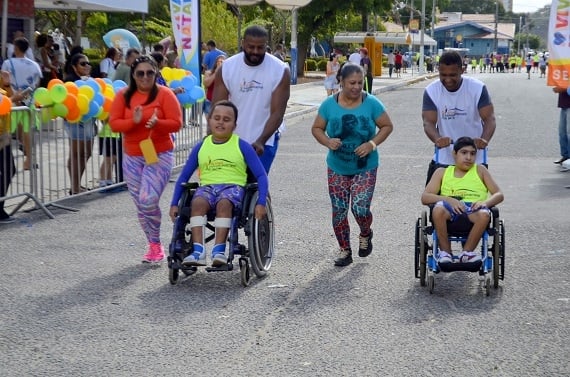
x,y
461,190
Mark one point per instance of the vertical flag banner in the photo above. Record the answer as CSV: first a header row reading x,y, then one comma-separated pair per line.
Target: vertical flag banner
x,y
559,44
185,16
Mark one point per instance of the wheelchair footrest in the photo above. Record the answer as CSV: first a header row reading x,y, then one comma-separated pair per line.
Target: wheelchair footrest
x,y
458,266
227,267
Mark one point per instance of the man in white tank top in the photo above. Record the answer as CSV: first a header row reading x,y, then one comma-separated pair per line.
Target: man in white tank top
x,y
259,85
456,106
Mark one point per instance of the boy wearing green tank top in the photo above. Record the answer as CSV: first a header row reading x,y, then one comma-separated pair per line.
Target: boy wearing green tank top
x,y
461,190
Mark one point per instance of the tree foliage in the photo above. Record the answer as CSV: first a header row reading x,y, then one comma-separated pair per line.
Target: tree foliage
x,y
473,7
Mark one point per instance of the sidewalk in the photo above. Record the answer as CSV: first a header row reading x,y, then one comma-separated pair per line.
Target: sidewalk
x,y
306,98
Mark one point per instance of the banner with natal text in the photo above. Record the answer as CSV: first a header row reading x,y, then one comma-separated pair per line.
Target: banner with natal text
x,y
559,44
185,15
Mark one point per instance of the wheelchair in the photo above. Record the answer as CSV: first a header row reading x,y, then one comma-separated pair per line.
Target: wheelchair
x,y
492,245
257,255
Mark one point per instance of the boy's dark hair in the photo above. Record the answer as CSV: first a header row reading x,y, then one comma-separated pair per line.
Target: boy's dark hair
x,y
224,103
22,44
451,58
464,141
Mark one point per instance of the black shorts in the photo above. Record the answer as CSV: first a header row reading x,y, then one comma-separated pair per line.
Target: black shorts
x,y
110,146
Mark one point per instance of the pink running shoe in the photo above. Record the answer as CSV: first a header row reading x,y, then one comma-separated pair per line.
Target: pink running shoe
x,y
155,254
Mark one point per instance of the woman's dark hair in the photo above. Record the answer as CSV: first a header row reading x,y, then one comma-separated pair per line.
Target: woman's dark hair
x,y
464,141
158,58
451,58
132,88
224,103
348,69
41,40
67,70
111,53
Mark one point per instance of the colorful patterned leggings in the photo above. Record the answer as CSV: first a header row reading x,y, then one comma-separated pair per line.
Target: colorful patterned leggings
x,y
359,187
146,184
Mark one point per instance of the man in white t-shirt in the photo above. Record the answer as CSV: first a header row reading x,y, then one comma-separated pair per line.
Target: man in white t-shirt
x,y
355,57
453,107
258,83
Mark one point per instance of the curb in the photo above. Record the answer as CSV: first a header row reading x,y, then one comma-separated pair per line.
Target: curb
x,y
374,92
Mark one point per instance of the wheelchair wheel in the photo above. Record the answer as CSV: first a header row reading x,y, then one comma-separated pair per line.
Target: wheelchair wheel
x,y
496,256
244,271
173,275
431,283
487,286
423,249
417,238
261,238
502,249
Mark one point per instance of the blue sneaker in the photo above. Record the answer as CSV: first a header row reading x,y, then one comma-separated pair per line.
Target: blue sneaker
x,y
219,260
195,259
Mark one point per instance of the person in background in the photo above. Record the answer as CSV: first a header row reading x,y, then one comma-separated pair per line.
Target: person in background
x,y
366,65
107,65
221,184
172,59
209,79
333,67
355,57
212,54
67,70
147,112
563,126
22,75
279,52
123,71
158,47
391,62
82,134
351,124
48,61
262,106
10,46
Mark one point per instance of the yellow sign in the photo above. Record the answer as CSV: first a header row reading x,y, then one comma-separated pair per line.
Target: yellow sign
x,y
414,24
408,39
459,37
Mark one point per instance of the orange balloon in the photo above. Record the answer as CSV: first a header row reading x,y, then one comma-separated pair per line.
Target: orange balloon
x,y
73,113
107,105
71,88
52,82
70,101
101,83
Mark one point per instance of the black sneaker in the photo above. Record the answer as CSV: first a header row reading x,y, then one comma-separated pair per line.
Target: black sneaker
x,y
560,160
344,258
365,246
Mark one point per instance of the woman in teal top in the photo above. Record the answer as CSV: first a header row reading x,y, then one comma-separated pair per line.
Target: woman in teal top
x,y
351,124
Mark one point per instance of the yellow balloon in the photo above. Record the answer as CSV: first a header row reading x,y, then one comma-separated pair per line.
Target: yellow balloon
x,y
109,92
167,73
82,103
179,74
87,91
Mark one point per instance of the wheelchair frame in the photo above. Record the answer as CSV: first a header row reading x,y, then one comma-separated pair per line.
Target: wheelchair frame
x,y
491,266
260,236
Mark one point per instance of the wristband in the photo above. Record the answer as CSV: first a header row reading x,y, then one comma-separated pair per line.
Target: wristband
x,y
373,143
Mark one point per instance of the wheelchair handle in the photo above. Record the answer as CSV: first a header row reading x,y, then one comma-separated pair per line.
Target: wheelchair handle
x,y
437,153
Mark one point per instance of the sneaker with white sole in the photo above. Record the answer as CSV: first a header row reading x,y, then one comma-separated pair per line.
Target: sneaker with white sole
x,y
444,258
344,258
155,253
195,259
365,245
469,257
219,260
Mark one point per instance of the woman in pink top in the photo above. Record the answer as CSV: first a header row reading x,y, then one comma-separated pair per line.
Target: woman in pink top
x,y
147,111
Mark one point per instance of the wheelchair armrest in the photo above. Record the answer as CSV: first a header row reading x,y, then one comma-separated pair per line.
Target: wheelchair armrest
x,y
190,185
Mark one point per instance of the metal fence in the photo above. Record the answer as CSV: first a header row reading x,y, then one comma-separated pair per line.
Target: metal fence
x,y
55,160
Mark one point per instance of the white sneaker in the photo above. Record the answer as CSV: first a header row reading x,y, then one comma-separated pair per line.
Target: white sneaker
x,y
195,259
469,257
444,257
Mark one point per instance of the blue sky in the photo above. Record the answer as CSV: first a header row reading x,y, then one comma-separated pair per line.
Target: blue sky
x,y
524,6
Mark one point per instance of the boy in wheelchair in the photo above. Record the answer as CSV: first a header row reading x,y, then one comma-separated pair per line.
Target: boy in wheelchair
x,y
460,193
222,159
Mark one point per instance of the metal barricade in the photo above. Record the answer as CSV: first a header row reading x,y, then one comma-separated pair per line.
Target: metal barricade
x,y
67,162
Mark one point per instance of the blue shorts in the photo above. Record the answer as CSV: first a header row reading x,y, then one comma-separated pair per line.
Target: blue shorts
x,y
214,193
80,131
455,216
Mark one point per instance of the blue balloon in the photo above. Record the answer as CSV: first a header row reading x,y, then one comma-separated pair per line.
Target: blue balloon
x,y
176,84
184,98
121,38
196,93
93,84
118,85
93,109
188,82
99,99
108,81
80,83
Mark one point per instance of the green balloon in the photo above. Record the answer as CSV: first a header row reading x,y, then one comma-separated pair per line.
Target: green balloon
x,y
58,93
42,96
60,110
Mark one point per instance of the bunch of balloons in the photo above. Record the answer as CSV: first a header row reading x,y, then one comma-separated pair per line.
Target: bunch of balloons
x,y
180,78
80,100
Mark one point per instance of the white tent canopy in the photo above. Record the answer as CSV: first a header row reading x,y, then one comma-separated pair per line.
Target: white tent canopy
x,y
397,38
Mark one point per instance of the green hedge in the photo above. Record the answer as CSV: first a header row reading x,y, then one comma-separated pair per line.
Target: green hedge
x,y
311,65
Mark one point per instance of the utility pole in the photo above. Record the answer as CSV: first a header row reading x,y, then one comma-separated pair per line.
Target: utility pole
x,y
432,24
496,25
423,27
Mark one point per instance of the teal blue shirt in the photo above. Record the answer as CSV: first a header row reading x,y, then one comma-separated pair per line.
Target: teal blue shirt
x,y
353,127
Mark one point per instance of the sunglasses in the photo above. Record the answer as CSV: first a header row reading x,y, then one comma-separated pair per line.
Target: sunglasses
x,y
141,74
83,64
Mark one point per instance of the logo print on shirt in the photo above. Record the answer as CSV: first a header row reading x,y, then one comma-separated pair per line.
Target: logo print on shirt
x,y
218,164
246,87
452,113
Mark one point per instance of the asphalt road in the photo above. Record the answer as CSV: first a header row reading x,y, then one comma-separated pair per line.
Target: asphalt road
x,y
76,301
